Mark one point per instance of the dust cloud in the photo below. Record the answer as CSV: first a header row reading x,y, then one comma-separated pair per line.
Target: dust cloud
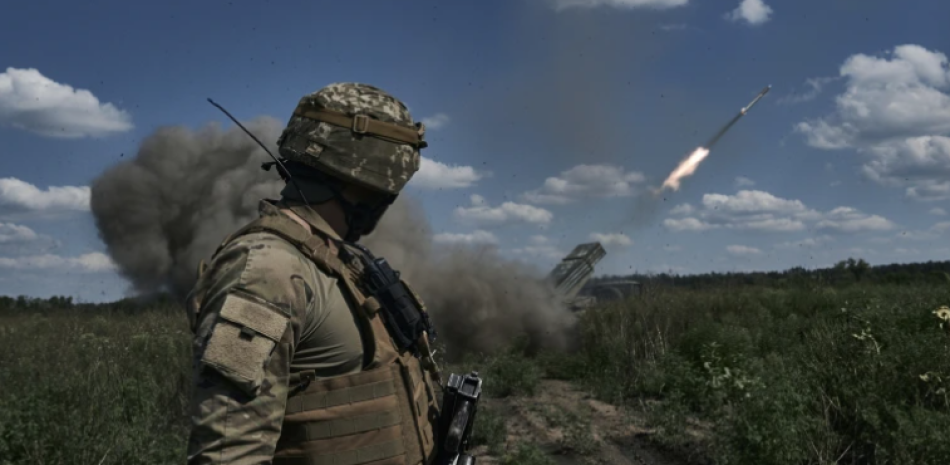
x,y
170,205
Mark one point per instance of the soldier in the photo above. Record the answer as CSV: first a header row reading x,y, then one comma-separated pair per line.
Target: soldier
x,y
293,364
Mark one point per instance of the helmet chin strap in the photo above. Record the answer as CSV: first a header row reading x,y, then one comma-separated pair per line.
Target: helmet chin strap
x,y
361,219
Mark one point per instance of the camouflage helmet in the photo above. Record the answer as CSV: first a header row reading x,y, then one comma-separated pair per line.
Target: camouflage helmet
x,y
357,133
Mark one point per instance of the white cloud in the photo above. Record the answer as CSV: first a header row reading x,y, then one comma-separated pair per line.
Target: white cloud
x,y
585,181
436,121
896,112
35,103
743,251
850,220
19,240
754,210
742,181
540,251
682,209
920,164
754,12
539,239
475,237
618,239
437,175
627,4
508,212
14,233
686,224
21,196
937,211
816,86
90,262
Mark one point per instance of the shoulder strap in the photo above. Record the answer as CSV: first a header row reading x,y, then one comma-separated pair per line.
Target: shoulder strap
x,y
315,248
311,245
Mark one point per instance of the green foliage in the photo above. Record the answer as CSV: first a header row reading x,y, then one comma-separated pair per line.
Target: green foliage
x,y
490,430
851,375
93,387
511,373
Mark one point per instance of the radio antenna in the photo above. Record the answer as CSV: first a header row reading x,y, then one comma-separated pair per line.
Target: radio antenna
x,y
276,160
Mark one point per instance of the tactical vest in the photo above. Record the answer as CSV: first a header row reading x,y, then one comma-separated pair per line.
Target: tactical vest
x,y
384,414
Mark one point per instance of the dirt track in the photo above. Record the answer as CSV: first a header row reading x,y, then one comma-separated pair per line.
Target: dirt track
x,y
576,429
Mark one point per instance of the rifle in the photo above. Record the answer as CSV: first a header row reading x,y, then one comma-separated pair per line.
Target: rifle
x,y
457,420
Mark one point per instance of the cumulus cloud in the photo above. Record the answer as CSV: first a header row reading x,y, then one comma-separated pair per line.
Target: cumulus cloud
x,y
753,12
919,164
937,211
617,239
508,212
586,181
743,251
436,121
895,110
33,102
17,239
742,181
682,209
686,224
754,210
437,175
475,237
91,262
14,233
17,196
850,220
624,4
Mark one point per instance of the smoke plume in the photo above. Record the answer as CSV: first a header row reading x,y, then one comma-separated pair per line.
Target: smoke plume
x,y
185,190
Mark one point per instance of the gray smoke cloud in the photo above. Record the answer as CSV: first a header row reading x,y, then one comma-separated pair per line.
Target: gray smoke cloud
x,y
162,211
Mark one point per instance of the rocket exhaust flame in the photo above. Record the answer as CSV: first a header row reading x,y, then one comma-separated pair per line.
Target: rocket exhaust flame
x,y
686,168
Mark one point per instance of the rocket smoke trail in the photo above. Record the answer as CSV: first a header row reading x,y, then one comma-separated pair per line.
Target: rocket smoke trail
x,y
162,211
688,166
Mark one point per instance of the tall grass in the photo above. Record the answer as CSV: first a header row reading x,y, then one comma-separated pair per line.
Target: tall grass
x,y
856,375
784,376
93,387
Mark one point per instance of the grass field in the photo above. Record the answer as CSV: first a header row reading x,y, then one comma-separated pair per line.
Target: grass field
x,y
855,375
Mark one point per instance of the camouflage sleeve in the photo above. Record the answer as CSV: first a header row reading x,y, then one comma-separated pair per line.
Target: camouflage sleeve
x,y
261,293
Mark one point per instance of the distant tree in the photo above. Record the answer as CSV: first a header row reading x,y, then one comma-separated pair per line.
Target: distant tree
x,y
859,268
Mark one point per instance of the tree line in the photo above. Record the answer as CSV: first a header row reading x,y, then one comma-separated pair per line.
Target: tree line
x,y
845,272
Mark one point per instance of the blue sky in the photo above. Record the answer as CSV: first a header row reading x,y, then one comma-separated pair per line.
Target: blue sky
x,y
548,120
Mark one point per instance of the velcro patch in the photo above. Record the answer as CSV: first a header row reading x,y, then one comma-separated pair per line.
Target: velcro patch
x,y
254,315
242,340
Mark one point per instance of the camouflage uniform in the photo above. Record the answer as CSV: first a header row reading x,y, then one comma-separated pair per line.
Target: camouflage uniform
x,y
292,364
